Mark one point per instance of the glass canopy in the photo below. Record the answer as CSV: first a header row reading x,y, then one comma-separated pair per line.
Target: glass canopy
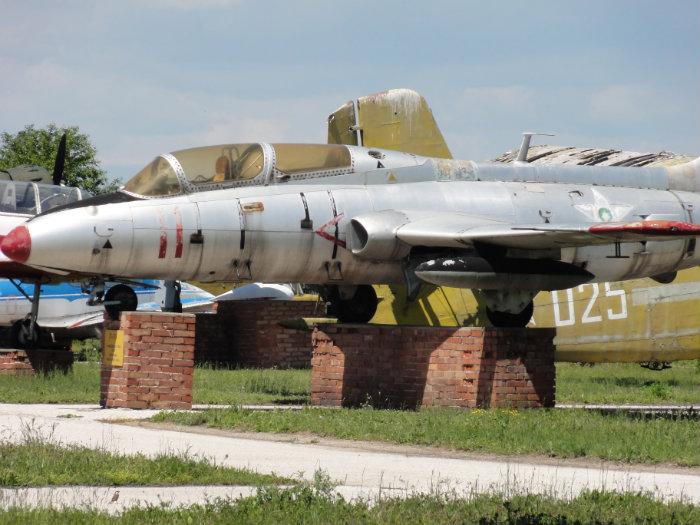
x,y
29,198
215,166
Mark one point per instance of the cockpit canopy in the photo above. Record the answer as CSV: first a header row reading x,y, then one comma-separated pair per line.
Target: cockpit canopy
x,y
30,198
230,165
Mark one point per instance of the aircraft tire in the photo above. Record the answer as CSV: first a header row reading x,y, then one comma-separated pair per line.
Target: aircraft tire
x,y
125,295
508,320
359,309
21,335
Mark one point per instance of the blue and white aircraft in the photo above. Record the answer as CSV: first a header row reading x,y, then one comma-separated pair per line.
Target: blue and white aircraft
x,y
65,311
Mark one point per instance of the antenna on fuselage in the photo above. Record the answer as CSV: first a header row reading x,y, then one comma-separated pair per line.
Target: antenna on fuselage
x,y
525,145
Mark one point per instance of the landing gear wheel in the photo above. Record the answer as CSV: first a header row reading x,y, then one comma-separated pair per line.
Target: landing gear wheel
x,y
124,299
23,336
360,308
508,320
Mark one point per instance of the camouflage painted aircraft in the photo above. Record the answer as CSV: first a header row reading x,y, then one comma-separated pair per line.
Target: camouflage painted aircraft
x,y
640,320
350,216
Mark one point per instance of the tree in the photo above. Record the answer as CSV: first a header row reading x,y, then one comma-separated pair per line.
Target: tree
x,y
39,146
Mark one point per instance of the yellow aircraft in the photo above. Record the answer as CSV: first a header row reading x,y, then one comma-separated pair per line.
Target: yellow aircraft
x,y
636,321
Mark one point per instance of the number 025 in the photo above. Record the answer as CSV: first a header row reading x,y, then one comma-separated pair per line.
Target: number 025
x,y
589,315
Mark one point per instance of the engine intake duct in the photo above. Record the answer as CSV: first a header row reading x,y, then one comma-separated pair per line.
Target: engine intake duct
x,y
373,236
502,274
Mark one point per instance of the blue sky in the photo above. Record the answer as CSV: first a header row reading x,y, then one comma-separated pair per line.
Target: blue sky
x,y
147,77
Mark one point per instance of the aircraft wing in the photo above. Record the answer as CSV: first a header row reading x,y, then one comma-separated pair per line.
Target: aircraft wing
x,y
73,321
448,233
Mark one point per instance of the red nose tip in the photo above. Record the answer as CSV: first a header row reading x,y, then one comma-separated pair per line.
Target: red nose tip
x,y
17,244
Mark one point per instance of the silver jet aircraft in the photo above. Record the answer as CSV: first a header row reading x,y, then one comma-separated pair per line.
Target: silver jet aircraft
x,y
350,217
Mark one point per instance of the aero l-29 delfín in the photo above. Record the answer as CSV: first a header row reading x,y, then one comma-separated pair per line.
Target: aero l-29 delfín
x,y
349,217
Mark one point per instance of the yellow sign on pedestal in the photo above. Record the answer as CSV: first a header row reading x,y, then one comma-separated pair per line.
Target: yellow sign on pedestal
x,y
113,348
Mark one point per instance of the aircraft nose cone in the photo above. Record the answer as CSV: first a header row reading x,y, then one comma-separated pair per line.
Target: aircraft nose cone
x,y
17,245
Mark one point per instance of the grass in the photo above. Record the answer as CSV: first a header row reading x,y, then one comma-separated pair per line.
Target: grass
x,y
41,463
556,433
82,385
308,505
251,386
628,383
211,386
605,383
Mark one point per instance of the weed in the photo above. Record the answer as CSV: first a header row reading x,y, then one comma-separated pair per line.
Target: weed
x,y
306,504
628,383
39,462
609,383
558,433
659,391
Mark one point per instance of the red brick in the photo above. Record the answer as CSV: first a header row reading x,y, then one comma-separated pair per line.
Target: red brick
x,y
151,339
132,332
161,332
134,403
440,366
173,340
150,396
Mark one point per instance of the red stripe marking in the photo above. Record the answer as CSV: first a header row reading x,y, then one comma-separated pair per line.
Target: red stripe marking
x,y
178,233
321,232
649,228
163,247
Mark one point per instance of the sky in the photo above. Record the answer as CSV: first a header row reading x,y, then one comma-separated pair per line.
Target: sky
x,y
146,77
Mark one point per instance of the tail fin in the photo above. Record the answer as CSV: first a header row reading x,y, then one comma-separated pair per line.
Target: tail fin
x,y
397,119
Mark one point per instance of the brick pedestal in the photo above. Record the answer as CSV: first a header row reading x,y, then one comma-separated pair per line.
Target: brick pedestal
x,y
158,362
17,361
409,367
248,334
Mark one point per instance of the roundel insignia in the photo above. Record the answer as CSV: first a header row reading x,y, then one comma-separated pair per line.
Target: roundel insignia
x,y
605,214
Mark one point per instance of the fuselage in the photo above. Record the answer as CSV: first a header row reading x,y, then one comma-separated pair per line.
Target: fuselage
x,y
297,229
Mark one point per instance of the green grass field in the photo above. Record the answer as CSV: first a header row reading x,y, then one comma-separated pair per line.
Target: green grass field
x,y
40,463
605,383
309,506
556,433
251,386
211,386
628,383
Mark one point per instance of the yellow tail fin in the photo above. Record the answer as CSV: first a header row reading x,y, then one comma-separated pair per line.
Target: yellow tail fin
x,y
397,119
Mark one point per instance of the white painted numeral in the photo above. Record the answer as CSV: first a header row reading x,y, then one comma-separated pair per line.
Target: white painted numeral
x,y
586,317
622,314
558,321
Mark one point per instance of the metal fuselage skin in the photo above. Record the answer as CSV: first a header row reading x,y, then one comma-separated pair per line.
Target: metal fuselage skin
x,y
298,230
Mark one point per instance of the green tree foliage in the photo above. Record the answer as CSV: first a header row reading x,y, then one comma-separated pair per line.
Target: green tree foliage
x,y
39,146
